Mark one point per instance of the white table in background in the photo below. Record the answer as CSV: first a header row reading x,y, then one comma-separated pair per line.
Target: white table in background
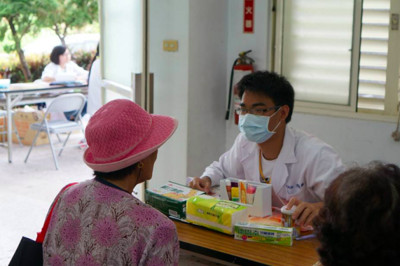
x,y
25,93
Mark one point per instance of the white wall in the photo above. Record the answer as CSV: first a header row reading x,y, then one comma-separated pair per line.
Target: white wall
x,y
356,141
207,82
169,20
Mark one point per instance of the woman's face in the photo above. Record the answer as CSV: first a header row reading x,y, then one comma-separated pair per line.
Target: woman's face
x,y
148,165
64,58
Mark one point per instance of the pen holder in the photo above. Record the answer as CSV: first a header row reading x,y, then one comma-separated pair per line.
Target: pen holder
x,y
261,205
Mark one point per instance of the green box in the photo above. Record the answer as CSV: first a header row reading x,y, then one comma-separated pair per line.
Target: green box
x,y
264,233
170,198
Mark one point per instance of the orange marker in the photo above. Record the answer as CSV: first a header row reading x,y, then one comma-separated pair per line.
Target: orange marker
x,y
242,186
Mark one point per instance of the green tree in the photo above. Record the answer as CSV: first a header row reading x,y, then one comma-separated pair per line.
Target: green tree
x,y
19,18
70,14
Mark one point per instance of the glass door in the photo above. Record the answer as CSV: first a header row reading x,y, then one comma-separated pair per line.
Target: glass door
x,y
122,54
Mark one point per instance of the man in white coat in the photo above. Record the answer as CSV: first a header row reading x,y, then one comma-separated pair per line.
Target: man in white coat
x,y
299,166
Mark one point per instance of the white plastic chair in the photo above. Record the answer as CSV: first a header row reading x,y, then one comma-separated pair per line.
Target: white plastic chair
x,y
62,103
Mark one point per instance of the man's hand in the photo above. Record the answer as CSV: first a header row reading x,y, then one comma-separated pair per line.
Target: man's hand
x,y
305,212
203,184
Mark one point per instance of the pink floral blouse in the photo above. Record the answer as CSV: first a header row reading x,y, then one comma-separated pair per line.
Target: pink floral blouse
x,y
96,224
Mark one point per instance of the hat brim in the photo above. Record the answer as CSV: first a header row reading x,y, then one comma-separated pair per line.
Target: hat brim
x,y
161,130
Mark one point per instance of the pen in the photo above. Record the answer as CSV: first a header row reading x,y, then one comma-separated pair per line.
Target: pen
x,y
305,237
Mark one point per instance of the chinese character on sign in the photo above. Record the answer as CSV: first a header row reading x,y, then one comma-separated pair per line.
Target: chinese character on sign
x,y
248,16
248,24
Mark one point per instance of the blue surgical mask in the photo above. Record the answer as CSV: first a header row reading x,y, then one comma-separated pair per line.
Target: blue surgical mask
x,y
255,127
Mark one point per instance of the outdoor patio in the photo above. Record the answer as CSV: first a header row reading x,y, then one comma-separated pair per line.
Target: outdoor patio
x,y
29,188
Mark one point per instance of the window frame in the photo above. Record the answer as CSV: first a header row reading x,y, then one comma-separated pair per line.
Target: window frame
x,y
392,91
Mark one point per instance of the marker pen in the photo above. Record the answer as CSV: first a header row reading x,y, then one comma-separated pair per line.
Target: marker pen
x,y
251,190
242,191
235,191
228,188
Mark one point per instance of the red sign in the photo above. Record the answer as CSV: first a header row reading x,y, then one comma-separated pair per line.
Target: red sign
x,y
248,16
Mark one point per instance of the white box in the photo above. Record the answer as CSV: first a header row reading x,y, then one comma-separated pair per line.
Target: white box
x,y
262,199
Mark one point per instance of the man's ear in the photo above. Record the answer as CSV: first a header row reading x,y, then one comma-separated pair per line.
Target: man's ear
x,y
284,112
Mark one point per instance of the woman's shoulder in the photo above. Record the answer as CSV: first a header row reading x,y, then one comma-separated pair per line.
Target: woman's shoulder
x,y
72,64
51,65
147,218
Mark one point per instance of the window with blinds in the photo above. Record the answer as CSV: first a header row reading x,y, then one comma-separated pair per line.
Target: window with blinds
x,y
340,54
316,49
373,54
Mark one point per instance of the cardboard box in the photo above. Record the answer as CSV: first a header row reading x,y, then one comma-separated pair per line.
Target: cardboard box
x,y
264,233
171,198
216,214
23,121
3,129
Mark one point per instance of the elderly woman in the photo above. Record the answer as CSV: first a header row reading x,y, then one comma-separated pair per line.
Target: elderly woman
x,y
99,221
360,221
61,67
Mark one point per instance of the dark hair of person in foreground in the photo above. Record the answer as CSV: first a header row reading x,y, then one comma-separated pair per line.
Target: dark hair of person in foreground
x,y
360,221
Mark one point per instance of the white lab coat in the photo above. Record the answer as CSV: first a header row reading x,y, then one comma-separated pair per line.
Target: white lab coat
x,y
304,168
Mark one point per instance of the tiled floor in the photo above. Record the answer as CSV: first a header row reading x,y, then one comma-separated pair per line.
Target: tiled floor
x,y
27,190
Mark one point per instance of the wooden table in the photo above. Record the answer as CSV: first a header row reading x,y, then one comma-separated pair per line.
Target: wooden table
x,y
15,94
212,243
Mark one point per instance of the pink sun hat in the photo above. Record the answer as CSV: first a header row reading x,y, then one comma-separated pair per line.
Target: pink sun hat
x,y
121,134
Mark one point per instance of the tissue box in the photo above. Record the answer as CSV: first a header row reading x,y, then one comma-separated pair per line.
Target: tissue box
x,y
171,198
216,214
264,233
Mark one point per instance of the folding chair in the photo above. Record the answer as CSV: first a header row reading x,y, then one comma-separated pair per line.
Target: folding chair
x,y
62,103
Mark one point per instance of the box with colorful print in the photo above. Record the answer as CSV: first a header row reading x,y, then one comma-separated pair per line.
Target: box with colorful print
x,y
171,198
264,233
216,214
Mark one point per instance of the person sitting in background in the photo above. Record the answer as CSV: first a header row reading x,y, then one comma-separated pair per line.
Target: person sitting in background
x,y
299,166
99,221
61,68
360,221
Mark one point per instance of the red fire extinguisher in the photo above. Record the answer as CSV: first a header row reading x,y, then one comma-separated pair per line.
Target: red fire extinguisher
x,y
242,66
